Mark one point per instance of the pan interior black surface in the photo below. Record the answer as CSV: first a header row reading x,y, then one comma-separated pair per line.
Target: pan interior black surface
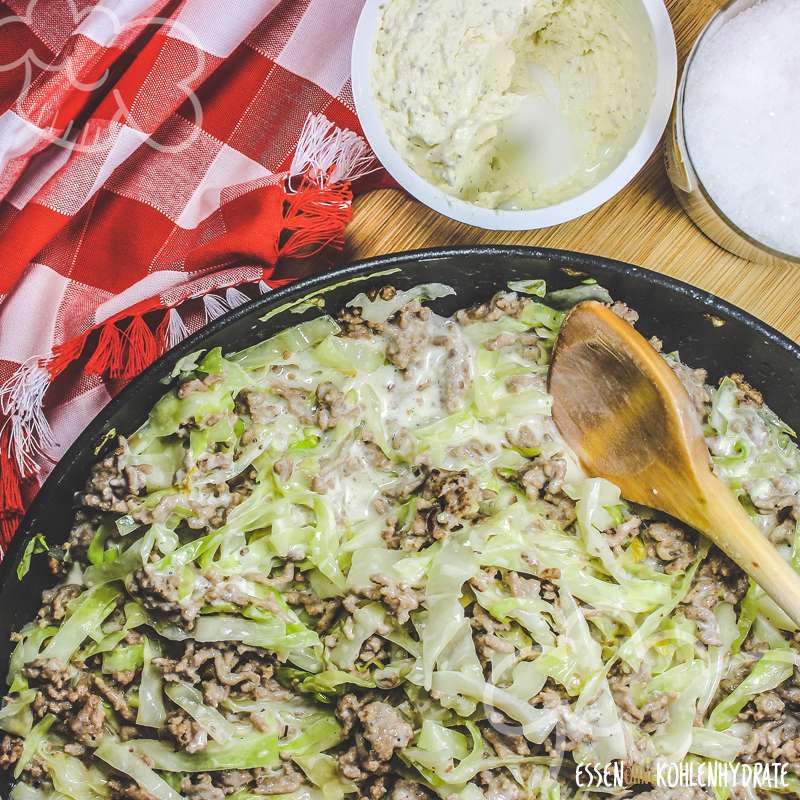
x,y
708,332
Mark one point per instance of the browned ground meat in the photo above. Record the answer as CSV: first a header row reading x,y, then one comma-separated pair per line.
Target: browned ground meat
x,y
399,598
543,476
499,785
624,312
55,601
354,325
501,305
259,406
775,736
680,793
717,580
651,714
694,381
410,339
111,486
376,729
217,668
457,374
156,592
332,406
87,724
671,544
409,790
10,751
188,734
81,535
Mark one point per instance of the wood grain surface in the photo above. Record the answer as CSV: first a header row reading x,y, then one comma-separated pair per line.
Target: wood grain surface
x,y
643,225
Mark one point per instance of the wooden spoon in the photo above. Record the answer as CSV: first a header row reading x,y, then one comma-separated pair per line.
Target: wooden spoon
x,y
629,419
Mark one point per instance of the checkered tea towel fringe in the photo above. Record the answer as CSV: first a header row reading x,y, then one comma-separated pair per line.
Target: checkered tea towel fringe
x,y
154,156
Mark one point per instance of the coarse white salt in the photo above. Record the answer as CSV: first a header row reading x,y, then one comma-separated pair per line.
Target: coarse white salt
x,y
742,121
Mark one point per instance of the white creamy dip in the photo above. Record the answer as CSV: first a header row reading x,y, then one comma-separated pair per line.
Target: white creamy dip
x,y
513,103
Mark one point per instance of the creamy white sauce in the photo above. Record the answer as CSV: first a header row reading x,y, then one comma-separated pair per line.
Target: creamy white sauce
x,y
513,103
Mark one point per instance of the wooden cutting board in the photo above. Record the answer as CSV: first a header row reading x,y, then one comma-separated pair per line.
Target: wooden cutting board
x,y
643,225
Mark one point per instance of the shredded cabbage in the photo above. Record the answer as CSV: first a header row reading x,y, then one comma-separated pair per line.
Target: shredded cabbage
x,y
371,537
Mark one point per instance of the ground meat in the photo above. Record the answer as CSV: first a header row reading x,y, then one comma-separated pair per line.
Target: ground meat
x,y
377,730
208,510
680,793
409,340
448,500
456,375
400,598
123,789
347,711
283,468
747,393
648,717
87,724
776,739
717,580
59,686
524,438
523,587
199,786
285,781
217,668
10,751
776,494
297,403
384,729
409,790
624,312
504,744
81,535
485,627
503,304
159,592
694,381
407,483
259,406
324,610
112,486
354,325
115,697
373,650
621,534
54,603
543,477
671,545
498,785
768,706
188,734
528,345
332,406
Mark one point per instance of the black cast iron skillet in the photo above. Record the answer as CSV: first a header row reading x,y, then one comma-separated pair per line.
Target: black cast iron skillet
x,y
707,331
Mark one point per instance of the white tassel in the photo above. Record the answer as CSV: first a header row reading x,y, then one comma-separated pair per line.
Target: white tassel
x,y
327,154
214,307
22,401
176,329
234,298
264,287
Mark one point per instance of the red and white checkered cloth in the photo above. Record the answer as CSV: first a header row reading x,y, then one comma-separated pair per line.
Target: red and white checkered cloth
x,y
146,148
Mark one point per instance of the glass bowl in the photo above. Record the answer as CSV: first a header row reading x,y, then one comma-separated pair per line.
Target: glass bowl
x,y
689,188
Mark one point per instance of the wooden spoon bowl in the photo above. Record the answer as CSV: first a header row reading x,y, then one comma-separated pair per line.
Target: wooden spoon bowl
x,y
629,419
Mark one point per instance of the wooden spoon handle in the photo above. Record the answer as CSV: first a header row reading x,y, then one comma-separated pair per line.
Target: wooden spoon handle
x,y
733,531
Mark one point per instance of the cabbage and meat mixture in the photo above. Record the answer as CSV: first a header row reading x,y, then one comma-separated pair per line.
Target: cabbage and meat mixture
x,y
357,561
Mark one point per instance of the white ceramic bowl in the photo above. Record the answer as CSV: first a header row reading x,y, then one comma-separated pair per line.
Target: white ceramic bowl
x,y
499,219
